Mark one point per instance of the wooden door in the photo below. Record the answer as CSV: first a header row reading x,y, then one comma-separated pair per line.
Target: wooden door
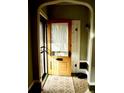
x,y
59,47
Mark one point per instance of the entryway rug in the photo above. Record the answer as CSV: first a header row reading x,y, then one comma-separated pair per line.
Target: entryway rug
x,y
59,84
80,85
65,84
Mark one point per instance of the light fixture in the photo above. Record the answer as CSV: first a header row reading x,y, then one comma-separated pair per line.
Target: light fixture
x,y
87,27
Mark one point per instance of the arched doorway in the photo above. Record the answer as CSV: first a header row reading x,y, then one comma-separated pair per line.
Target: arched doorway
x,y
91,23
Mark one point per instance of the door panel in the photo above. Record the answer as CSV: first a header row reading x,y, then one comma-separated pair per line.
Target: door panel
x,y
75,45
59,46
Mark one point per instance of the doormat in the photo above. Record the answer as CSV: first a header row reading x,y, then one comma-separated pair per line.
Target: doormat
x,y
59,84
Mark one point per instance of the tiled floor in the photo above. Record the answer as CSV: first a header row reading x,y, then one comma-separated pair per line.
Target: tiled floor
x,y
64,84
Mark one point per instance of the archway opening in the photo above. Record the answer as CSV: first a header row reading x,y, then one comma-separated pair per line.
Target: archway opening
x,y
72,2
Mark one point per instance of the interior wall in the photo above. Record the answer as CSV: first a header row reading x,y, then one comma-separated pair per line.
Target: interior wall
x,y
93,53
92,78
33,70
30,69
73,12
33,58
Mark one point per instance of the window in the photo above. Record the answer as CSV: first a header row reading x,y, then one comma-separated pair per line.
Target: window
x,y
59,40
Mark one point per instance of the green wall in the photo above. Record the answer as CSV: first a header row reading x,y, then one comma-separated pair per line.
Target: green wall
x,y
93,53
31,35
73,12
92,77
30,69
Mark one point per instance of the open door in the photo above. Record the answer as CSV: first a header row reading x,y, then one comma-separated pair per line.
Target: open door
x,y
59,47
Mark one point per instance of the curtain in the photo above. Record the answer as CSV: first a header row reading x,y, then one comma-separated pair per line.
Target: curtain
x,y
60,38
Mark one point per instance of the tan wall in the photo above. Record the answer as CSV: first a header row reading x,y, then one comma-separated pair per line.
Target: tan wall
x,y
73,12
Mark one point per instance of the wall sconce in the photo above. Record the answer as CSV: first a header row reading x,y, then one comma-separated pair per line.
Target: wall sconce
x,y
87,27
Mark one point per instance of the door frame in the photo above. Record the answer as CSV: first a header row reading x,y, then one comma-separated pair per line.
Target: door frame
x,y
44,47
69,39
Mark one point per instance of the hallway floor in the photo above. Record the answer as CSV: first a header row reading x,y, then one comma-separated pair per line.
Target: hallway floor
x,y
65,84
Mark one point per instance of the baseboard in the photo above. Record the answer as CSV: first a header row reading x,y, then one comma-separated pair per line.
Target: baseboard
x,y
92,83
35,87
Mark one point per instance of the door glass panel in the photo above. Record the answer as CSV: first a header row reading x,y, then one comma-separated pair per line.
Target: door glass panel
x,y
59,39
